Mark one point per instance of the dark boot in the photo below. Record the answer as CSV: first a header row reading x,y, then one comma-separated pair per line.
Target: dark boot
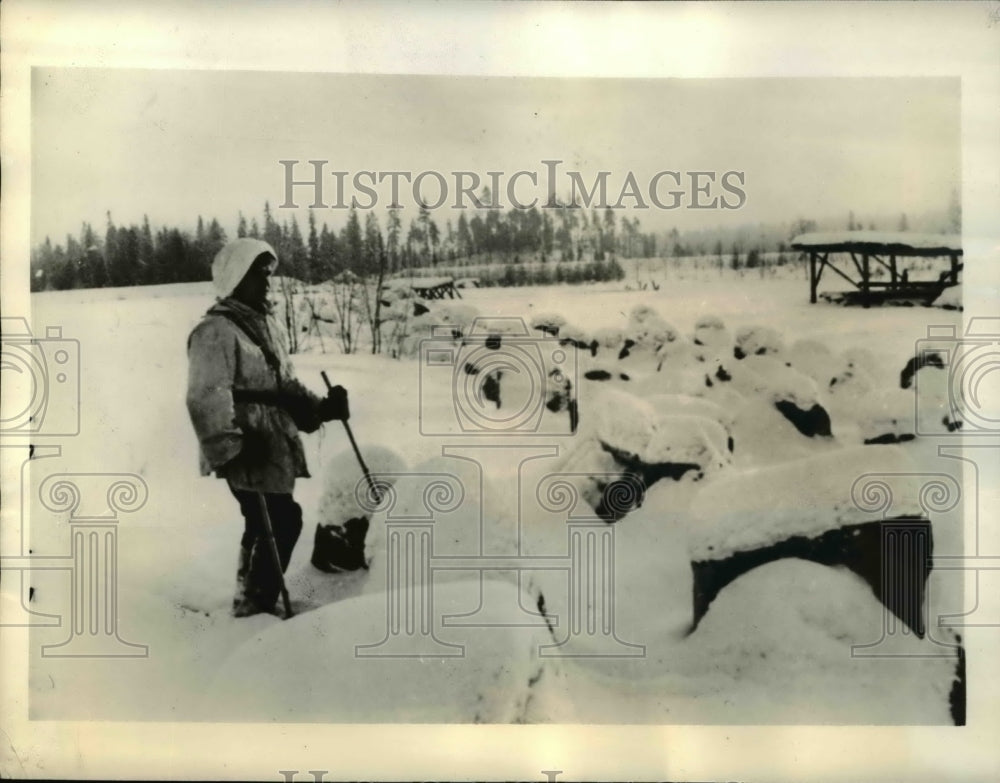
x,y
243,605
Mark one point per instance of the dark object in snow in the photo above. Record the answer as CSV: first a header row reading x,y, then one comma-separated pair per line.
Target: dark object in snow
x,y
597,375
493,342
563,399
722,375
491,383
890,437
491,387
811,423
339,548
956,698
583,346
892,556
419,308
620,496
549,329
738,353
624,352
928,359
640,475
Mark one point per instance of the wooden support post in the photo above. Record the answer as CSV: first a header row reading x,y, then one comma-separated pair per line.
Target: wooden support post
x,y
892,271
812,278
865,281
954,269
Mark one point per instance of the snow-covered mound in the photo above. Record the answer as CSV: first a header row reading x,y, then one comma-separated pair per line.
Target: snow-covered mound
x,y
781,635
851,391
346,505
441,320
346,494
950,298
775,381
712,342
815,359
775,647
859,357
710,330
576,336
470,517
652,559
886,415
685,405
757,507
548,323
933,400
491,682
688,440
757,341
633,429
681,374
647,329
609,341
622,436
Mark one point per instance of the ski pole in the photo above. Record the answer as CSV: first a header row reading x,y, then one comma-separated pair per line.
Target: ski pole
x,y
274,553
357,452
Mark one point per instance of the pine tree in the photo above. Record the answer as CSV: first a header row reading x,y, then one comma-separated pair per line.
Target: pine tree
x,y
272,231
296,256
351,241
393,230
146,252
312,251
464,237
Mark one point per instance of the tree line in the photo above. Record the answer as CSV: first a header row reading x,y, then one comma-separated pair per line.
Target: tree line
x,y
141,255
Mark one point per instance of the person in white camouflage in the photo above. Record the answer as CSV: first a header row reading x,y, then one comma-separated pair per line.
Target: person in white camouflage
x,y
247,408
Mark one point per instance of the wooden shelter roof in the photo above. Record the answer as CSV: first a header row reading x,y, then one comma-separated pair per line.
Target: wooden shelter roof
x,y
899,243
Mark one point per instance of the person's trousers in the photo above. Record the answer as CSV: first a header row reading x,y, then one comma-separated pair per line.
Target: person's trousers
x,y
262,581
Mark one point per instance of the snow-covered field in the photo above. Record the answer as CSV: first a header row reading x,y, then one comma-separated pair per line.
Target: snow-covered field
x,y
774,647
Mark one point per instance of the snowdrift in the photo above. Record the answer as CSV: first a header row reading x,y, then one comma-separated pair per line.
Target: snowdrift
x,y
751,508
308,669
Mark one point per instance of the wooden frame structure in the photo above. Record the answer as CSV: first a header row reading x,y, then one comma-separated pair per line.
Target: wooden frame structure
x,y
435,288
884,248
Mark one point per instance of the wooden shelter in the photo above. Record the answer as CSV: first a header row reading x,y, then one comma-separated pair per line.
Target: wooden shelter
x,y
859,250
435,288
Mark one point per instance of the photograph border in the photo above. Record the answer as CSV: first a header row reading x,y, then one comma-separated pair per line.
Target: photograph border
x,y
551,39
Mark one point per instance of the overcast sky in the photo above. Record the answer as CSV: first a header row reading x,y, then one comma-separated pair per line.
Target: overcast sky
x,y
176,144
